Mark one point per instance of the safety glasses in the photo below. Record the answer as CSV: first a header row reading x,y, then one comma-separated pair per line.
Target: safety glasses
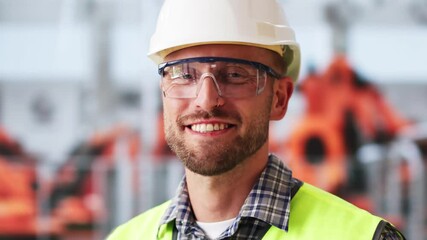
x,y
233,78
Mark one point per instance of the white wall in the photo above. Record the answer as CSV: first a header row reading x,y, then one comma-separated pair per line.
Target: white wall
x,y
54,128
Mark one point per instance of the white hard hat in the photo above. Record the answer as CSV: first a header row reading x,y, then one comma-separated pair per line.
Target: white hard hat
x,y
262,23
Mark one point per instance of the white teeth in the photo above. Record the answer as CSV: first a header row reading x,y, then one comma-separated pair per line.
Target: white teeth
x,y
203,128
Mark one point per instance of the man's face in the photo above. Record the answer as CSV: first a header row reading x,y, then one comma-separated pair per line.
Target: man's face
x,y
211,134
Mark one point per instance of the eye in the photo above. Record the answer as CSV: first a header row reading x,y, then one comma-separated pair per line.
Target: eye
x,y
180,75
183,79
187,76
235,75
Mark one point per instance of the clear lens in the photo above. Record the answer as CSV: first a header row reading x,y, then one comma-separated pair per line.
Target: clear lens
x,y
234,78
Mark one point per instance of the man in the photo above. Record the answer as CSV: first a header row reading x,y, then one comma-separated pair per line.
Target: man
x,y
227,68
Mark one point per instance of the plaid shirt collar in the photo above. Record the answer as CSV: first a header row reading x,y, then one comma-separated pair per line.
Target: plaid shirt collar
x,y
268,201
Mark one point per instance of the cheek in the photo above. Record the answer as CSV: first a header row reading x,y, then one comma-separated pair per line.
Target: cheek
x,y
253,112
173,108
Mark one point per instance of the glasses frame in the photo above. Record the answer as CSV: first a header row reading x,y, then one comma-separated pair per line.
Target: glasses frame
x,y
257,65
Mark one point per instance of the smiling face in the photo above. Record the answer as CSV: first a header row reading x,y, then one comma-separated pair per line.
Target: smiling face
x,y
211,134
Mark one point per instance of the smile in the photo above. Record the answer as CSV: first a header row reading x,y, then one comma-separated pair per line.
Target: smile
x,y
208,127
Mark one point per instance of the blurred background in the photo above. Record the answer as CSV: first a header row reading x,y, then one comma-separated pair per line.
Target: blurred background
x,y
81,132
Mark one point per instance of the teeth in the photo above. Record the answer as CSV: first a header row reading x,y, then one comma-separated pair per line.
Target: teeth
x,y
203,128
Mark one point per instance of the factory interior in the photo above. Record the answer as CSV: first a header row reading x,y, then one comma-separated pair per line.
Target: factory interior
x,y
82,146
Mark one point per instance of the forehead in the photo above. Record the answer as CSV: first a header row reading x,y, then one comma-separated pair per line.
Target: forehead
x,y
250,53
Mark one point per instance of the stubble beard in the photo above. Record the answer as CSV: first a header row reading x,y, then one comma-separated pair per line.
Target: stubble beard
x,y
215,158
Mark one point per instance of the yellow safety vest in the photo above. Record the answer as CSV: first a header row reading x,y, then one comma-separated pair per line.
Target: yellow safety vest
x,y
315,214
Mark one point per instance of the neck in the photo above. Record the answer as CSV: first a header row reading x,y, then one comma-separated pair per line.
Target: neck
x,y
219,198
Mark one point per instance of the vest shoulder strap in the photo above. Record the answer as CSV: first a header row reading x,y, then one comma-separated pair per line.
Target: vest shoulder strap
x,y
316,214
144,226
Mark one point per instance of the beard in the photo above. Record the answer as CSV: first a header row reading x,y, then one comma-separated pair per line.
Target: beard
x,y
210,158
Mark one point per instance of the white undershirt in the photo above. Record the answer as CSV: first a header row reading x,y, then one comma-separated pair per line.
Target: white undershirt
x,y
214,229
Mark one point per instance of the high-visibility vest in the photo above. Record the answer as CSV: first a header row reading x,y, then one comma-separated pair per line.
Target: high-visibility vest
x,y
315,214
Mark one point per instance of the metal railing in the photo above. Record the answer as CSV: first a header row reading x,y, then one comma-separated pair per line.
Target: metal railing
x,y
397,180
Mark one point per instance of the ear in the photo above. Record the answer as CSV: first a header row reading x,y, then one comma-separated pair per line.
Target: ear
x,y
282,91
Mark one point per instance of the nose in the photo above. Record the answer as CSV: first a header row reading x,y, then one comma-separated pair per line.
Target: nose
x,y
209,93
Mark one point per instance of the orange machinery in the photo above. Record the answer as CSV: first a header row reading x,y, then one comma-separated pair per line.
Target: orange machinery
x,y
76,201
18,207
343,111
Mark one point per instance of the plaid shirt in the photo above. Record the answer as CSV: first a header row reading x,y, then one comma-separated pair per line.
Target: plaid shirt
x,y
268,204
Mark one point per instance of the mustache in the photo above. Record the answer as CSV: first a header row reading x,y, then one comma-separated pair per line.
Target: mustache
x,y
215,113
